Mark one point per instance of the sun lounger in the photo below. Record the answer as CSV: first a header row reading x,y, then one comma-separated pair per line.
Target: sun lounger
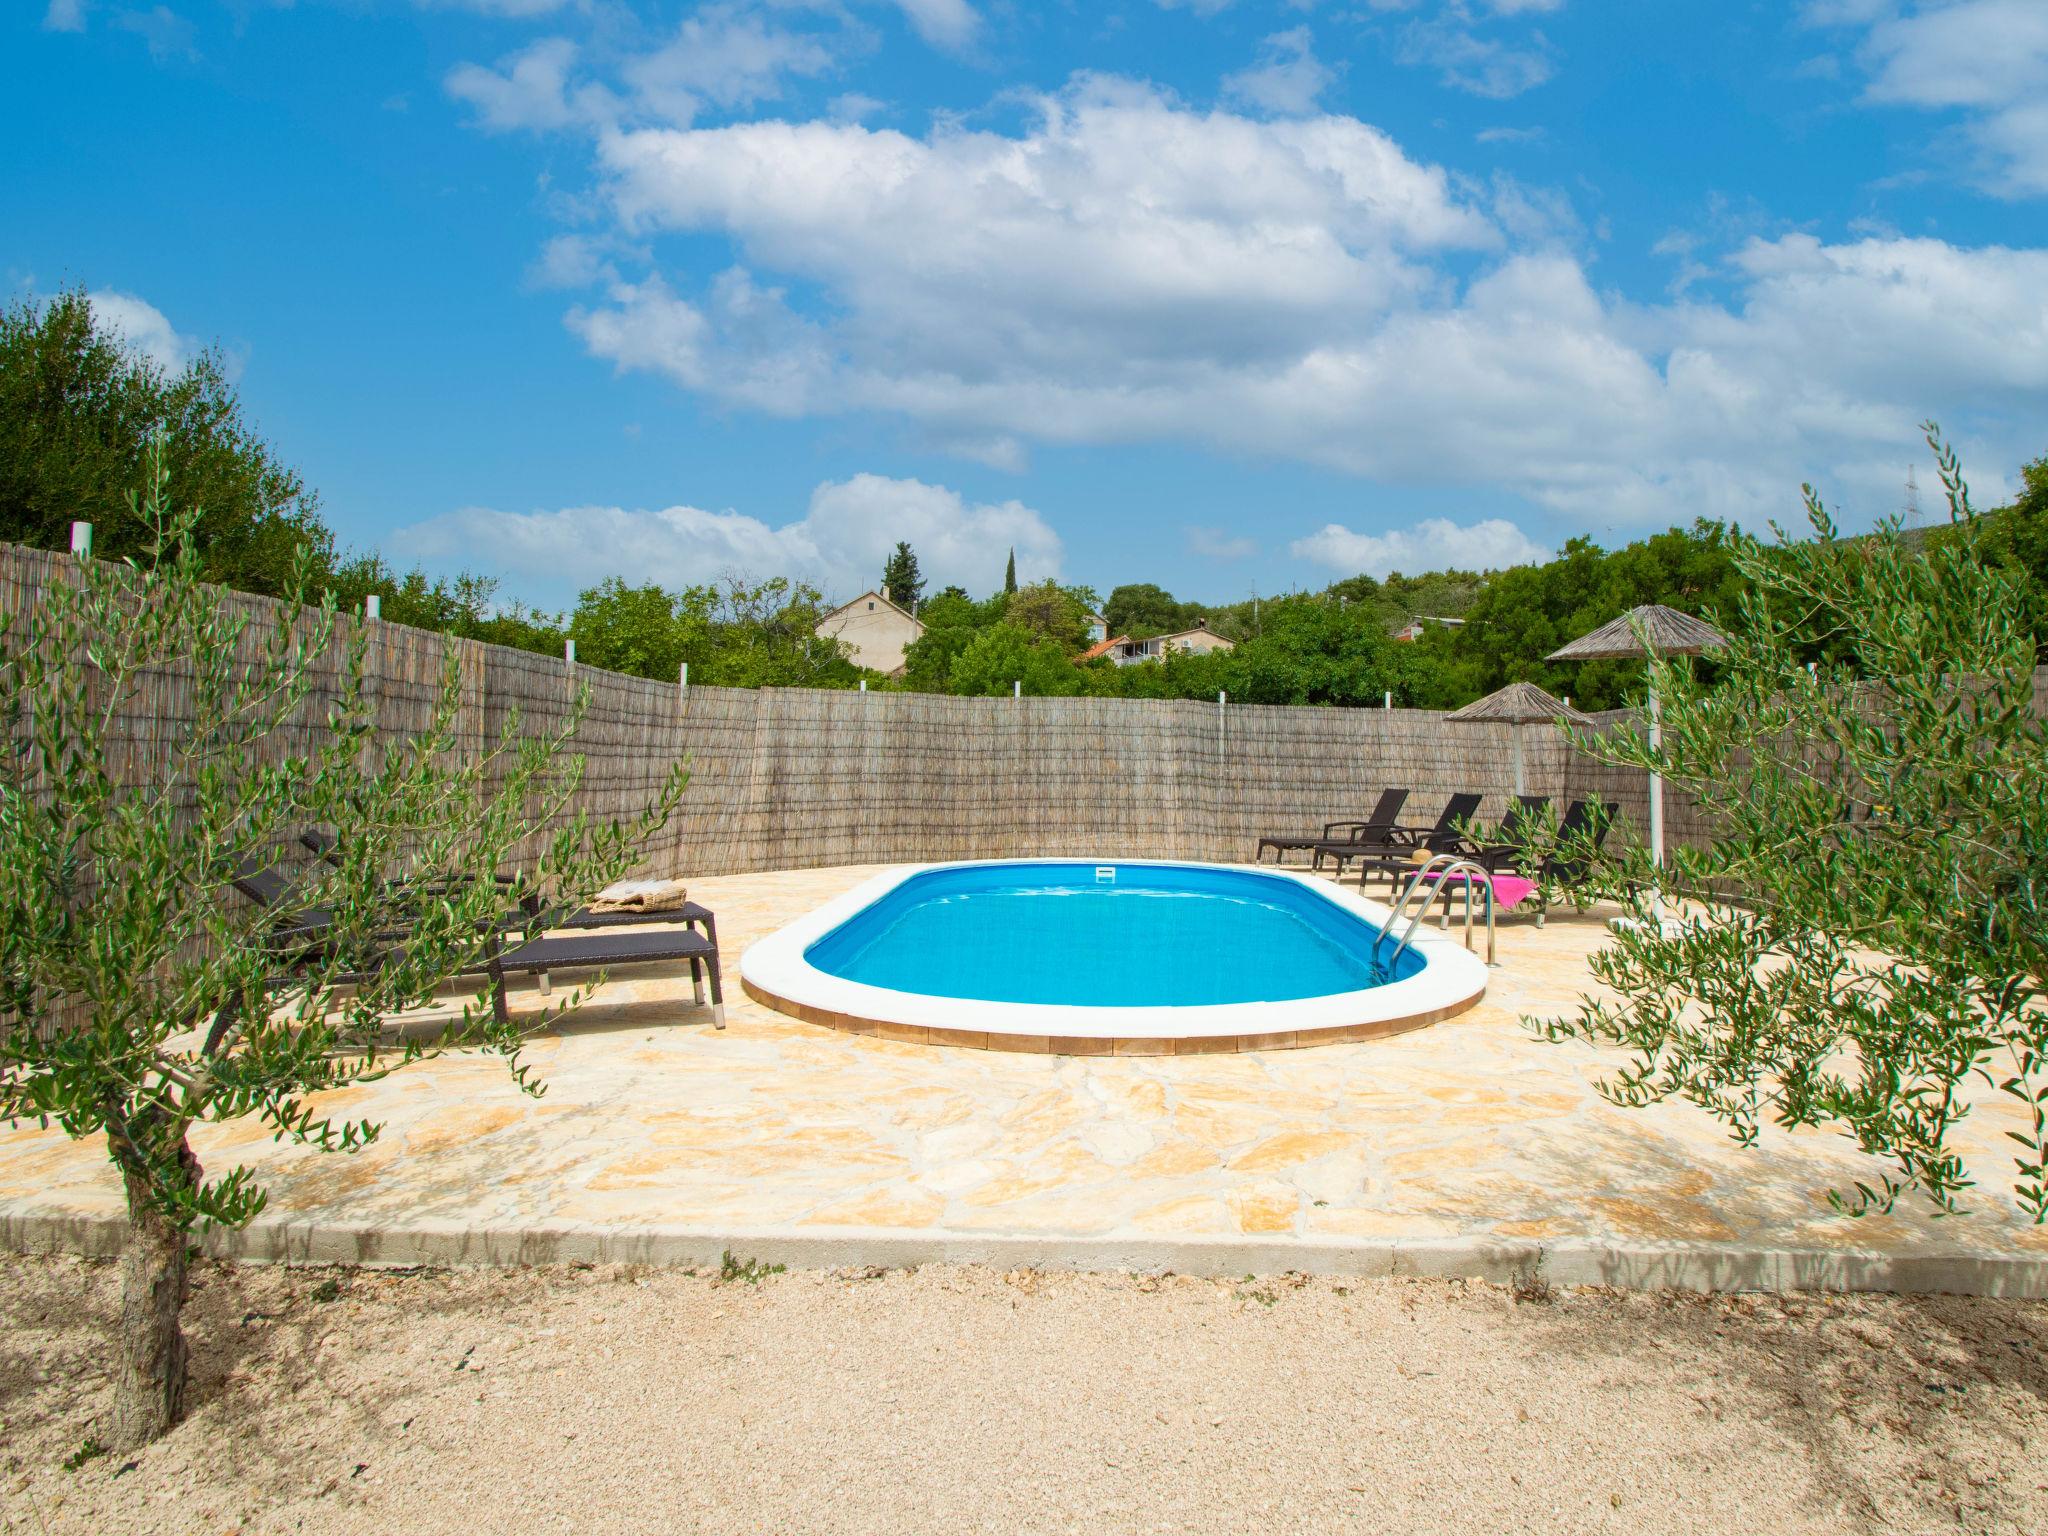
x,y
1579,837
1377,825
1509,835
1396,850
689,914
580,951
301,938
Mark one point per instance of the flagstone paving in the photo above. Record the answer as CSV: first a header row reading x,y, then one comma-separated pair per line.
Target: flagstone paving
x,y
1466,1147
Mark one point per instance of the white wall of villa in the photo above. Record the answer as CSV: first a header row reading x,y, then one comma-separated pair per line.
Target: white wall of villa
x,y
874,630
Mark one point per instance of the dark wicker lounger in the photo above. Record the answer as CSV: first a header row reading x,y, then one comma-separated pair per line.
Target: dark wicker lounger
x,y
1380,822
1579,837
1400,842
300,937
689,914
584,950
1502,843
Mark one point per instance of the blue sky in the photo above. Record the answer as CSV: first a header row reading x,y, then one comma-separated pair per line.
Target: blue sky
x,y
1225,294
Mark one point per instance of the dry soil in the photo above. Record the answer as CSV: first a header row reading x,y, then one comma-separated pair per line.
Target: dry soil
x,y
952,1399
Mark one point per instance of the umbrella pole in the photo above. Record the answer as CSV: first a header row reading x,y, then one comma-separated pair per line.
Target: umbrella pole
x,y
1656,809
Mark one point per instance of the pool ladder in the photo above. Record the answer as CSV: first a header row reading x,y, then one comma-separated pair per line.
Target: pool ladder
x,y
1443,866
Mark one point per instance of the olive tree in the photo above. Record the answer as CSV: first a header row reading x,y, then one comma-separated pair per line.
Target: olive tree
x,y
140,994
1863,943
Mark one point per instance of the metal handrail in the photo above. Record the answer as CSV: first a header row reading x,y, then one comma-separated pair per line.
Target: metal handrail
x,y
1401,905
1443,866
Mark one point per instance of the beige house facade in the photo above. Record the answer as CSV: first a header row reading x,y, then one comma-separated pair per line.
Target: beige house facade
x,y
874,631
1126,652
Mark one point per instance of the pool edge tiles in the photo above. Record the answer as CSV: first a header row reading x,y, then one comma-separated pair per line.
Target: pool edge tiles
x,y
775,973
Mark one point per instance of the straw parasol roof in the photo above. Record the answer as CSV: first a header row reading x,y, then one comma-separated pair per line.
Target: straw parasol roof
x,y
1517,704
1667,631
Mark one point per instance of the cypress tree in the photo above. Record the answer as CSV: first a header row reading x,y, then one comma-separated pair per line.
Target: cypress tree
x,y
902,582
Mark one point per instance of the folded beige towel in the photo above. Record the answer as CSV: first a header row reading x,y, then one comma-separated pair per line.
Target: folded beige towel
x,y
641,896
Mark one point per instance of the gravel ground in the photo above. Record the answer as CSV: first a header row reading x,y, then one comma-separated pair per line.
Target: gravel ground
x,y
625,1400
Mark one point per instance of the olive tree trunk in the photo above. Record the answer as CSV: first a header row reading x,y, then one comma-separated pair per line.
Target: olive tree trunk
x,y
149,1374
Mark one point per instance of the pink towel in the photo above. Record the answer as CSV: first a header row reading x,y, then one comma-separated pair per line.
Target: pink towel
x,y
1509,891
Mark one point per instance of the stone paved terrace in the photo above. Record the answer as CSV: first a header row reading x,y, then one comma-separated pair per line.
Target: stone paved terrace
x,y
1468,1147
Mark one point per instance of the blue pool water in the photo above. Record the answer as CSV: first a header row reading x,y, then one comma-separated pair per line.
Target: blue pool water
x,y
1151,936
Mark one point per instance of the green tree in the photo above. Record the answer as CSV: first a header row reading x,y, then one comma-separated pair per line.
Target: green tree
x,y
1047,611
1440,594
1523,614
1884,820
951,608
1010,573
1003,655
765,635
465,606
951,621
120,937
928,660
1141,610
1314,651
646,631
902,583
78,410
2016,538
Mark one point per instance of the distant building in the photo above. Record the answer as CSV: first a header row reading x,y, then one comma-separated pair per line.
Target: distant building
x,y
1098,629
1126,652
874,631
1101,648
1412,630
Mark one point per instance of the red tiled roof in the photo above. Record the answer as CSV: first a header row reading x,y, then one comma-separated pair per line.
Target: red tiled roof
x,y
1102,648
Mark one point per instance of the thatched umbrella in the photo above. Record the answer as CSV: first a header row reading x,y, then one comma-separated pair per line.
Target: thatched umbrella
x,y
1515,706
1649,631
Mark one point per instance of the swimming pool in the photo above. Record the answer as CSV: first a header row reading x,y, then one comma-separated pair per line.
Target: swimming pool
x,y
1125,957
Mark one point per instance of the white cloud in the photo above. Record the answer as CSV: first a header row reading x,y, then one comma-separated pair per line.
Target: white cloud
x,y
1127,268
1118,225
1468,60
163,31
1288,78
528,89
581,261
510,9
143,328
65,16
1972,53
840,542
1961,321
1985,58
854,107
1835,13
1433,544
743,342
1218,544
726,55
948,24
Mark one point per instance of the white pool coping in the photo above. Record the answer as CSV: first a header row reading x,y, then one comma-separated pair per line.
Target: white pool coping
x,y
776,972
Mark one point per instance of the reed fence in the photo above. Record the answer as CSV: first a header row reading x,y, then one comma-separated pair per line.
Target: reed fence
x,y
789,778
